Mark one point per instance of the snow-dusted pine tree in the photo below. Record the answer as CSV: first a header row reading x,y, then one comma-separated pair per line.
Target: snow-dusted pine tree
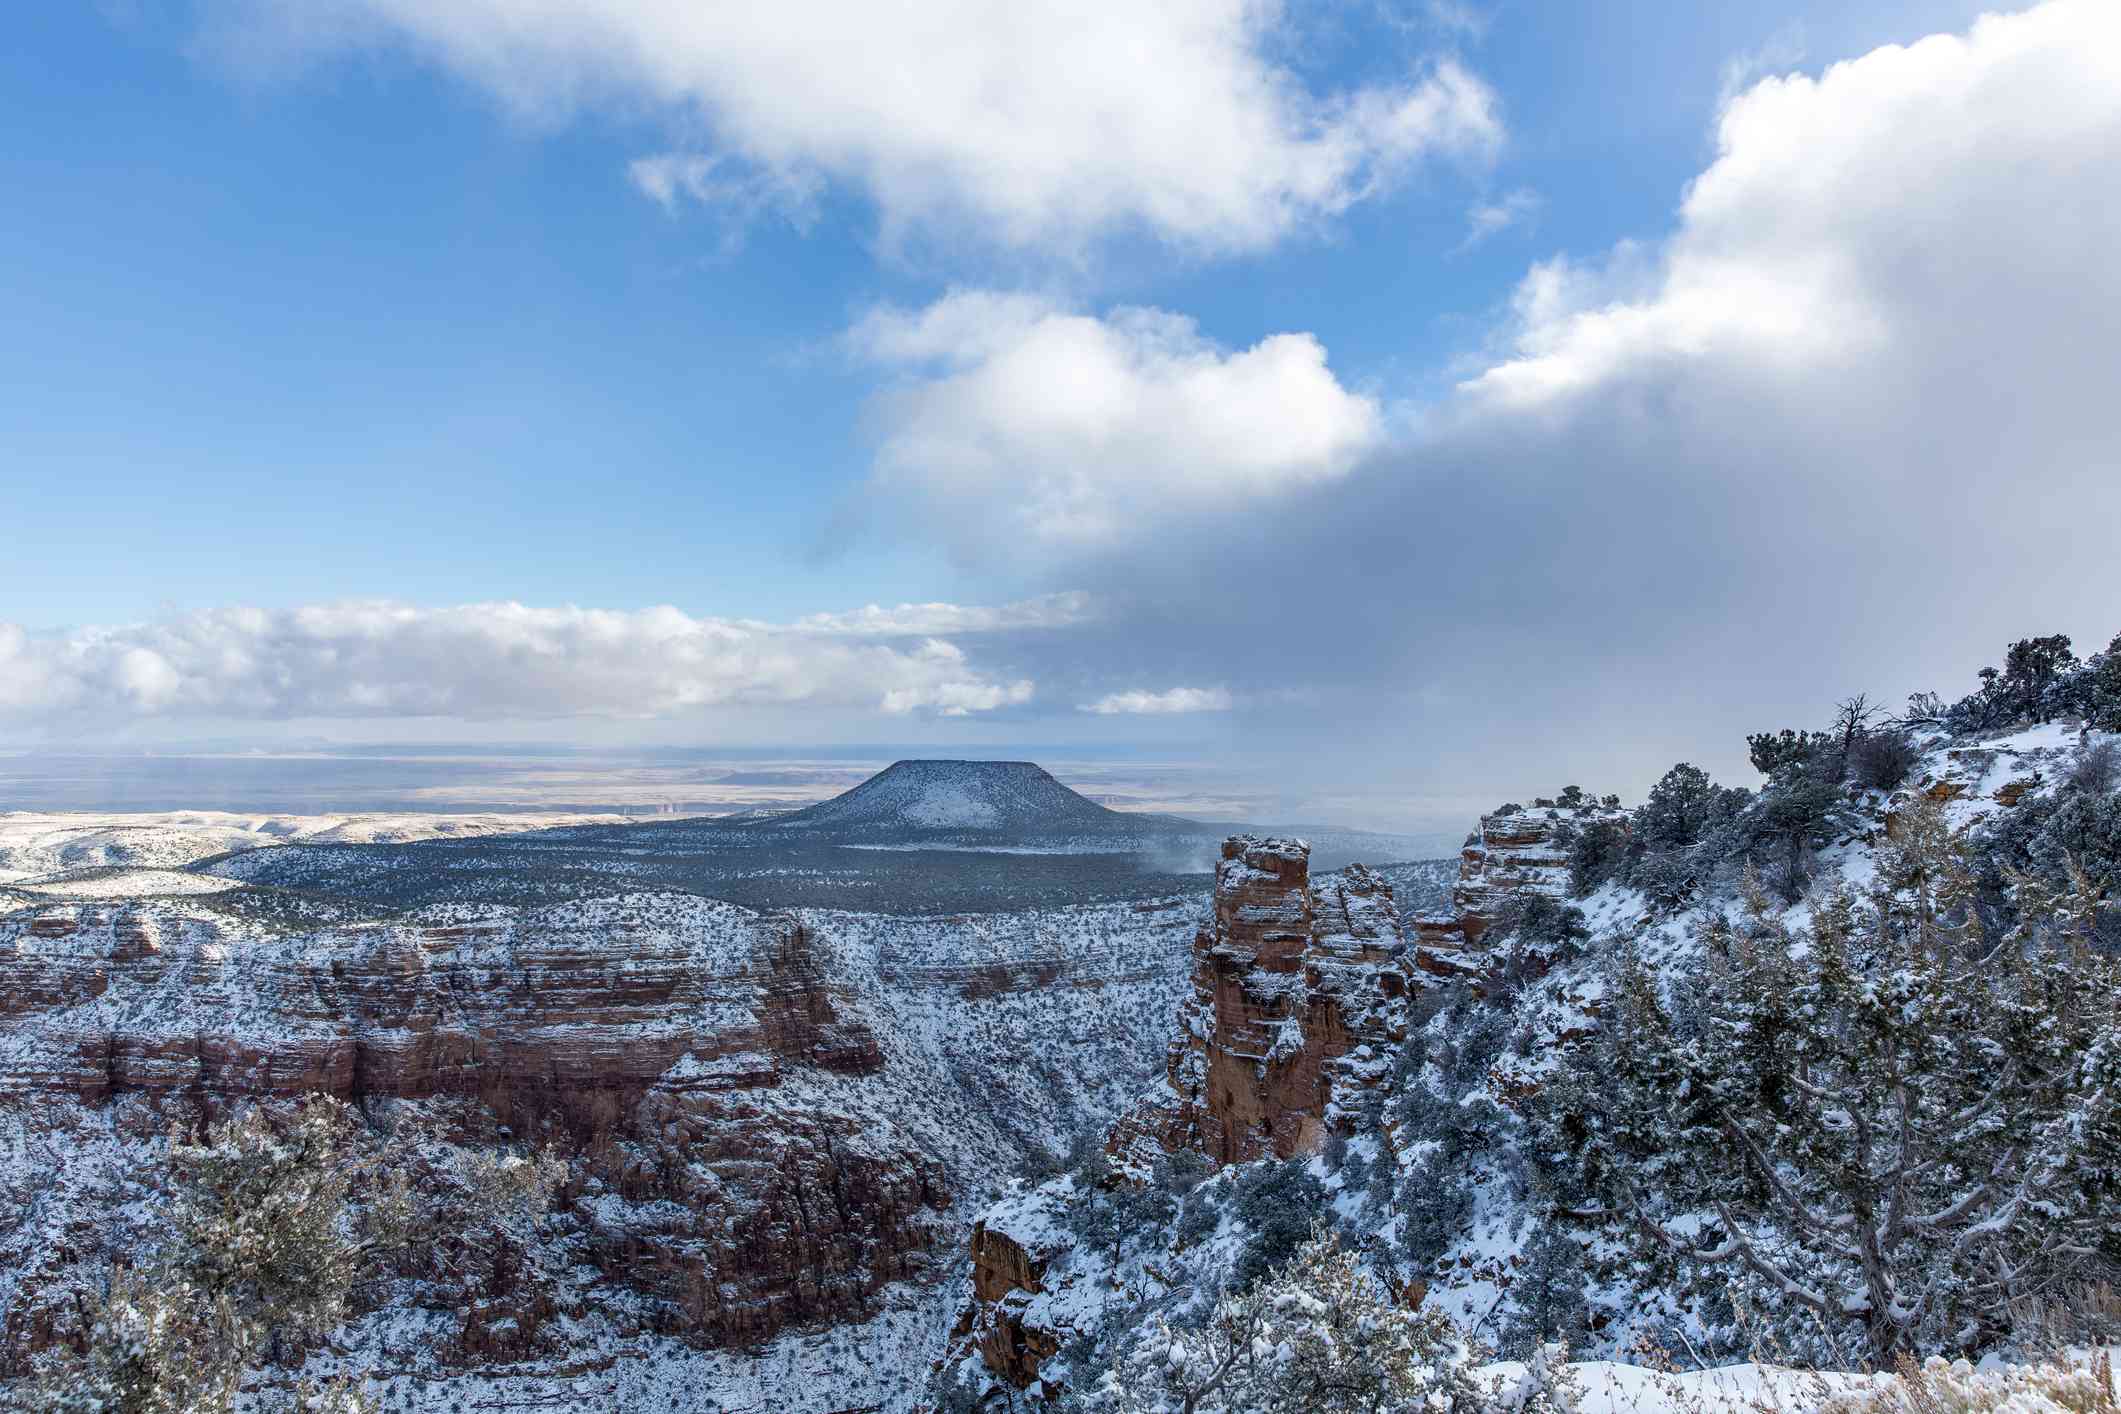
x,y
1888,1121
263,1250
1321,1334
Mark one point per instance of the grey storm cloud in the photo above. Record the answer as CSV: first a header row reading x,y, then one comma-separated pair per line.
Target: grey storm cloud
x,y
1850,427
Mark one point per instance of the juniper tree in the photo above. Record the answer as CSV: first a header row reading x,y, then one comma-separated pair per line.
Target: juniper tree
x,y
2102,706
1547,1297
1320,1335
1774,752
1597,852
2032,670
1679,809
1799,811
1901,1125
263,1250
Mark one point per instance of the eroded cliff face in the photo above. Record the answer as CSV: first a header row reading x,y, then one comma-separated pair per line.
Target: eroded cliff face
x,y
766,1119
1512,854
1299,996
1008,1269
1303,996
546,1017
647,1049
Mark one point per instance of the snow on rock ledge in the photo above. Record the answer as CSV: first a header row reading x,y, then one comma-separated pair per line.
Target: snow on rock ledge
x,y
1512,854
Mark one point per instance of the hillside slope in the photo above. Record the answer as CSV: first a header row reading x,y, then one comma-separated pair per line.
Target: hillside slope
x,y
1628,1100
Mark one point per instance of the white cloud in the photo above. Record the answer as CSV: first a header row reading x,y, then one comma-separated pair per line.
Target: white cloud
x,y
1782,51
1856,217
1064,610
739,195
1036,124
1489,218
504,660
1022,419
1174,700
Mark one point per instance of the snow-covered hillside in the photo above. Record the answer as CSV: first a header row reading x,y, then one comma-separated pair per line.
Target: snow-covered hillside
x,y
777,1126
1735,1071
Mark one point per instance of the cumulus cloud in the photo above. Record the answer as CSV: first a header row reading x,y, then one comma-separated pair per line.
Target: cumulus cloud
x,y
505,660
1027,420
1038,124
1850,218
1170,702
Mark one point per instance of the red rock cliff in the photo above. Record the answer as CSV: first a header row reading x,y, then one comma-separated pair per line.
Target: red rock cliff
x,y
1512,854
1299,998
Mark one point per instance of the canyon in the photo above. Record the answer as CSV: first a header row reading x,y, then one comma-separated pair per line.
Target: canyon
x,y
778,1125
1303,994
771,1123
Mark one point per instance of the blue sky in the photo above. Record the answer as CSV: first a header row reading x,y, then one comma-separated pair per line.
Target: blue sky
x,y
360,300
349,328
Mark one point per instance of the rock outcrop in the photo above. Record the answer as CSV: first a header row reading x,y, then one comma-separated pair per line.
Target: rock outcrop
x,y
1006,1274
1299,1004
1513,853
1299,996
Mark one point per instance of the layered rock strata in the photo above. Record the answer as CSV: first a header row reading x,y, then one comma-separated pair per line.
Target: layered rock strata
x,y
647,1049
1512,854
1299,998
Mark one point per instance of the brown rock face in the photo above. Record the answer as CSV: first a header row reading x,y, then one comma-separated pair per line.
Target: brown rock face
x,y
1512,855
1299,999
653,1045
1000,1265
1299,1005
1008,1270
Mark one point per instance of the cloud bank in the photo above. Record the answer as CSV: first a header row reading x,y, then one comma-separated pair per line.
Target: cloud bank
x,y
1849,426
486,661
1037,125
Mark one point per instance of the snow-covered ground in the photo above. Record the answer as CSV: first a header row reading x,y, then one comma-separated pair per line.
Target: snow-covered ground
x,y
1002,1034
46,847
123,883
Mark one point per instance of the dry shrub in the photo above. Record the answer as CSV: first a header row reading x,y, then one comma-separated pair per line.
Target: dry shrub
x,y
1940,1386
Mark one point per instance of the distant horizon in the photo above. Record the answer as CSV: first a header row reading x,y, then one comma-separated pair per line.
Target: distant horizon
x,y
465,778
